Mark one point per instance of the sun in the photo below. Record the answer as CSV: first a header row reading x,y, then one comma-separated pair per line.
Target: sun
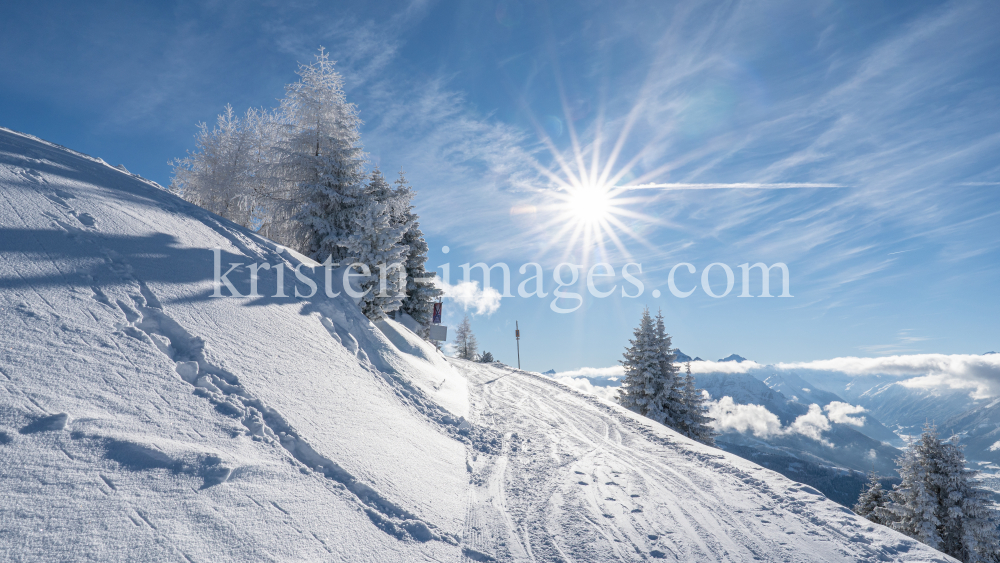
x,y
588,215
588,207
589,204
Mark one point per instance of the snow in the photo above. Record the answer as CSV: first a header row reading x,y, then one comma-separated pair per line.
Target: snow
x,y
141,419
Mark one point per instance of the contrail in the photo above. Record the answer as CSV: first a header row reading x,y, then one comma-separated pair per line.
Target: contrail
x,y
740,185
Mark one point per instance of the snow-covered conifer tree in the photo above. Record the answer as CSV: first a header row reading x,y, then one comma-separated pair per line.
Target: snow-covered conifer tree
x,y
872,498
970,521
939,502
667,406
375,242
642,363
913,510
695,424
420,290
465,341
325,158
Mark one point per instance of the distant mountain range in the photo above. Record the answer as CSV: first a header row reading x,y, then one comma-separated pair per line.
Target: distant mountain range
x,y
681,357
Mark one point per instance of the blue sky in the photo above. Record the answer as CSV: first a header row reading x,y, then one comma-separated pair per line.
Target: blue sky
x,y
491,107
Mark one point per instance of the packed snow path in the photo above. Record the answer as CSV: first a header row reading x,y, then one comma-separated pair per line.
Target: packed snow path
x,y
143,420
577,479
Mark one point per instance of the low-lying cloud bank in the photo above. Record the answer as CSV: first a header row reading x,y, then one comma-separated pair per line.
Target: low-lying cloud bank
x,y
757,420
585,386
978,374
613,371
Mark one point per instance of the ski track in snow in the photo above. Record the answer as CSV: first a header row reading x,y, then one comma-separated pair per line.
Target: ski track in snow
x,y
553,475
580,480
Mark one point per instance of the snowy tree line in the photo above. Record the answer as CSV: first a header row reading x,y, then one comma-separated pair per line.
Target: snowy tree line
x,y
939,501
654,388
297,175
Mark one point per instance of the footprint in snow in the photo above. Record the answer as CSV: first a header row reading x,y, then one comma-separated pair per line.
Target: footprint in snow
x,y
86,219
51,423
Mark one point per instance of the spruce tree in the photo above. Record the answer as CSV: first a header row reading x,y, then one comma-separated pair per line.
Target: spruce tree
x,y
374,243
695,424
913,510
940,503
643,377
667,406
324,158
421,293
970,532
871,499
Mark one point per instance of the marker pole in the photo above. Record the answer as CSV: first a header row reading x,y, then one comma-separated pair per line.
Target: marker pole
x,y
517,336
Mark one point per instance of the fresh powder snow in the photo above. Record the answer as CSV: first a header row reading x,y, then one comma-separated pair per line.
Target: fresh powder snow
x,y
143,419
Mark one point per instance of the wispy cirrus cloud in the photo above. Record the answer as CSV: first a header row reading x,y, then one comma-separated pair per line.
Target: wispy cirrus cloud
x,y
731,186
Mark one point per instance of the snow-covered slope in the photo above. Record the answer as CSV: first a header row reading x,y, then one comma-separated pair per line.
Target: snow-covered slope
x,y
142,419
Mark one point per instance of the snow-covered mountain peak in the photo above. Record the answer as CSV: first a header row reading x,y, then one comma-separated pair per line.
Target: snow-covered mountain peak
x,y
733,358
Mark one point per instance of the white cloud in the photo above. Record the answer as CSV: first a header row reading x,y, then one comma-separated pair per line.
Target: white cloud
x,y
757,420
812,424
613,371
724,367
980,374
584,385
730,416
839,412
469,296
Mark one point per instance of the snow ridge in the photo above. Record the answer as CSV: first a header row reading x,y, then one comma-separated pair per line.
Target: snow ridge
x,y
148,322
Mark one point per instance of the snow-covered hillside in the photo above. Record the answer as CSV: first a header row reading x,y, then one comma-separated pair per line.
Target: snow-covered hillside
x,y
142,419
